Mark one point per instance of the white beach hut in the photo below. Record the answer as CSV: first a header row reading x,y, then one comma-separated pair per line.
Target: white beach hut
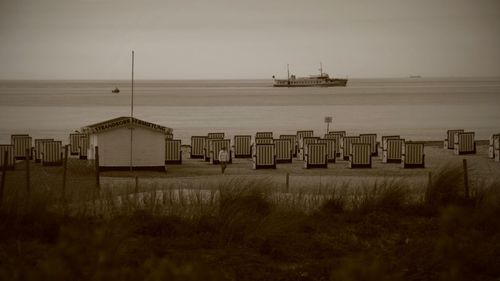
x,y
114,138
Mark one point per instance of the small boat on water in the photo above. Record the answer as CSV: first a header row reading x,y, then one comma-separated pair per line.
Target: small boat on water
x,y
115,91
321,80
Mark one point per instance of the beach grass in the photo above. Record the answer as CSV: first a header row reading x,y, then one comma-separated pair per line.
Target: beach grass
x,y
244,229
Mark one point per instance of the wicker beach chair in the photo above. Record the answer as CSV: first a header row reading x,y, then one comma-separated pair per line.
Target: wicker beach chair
x,y
392,150
383,142
412,155
449,142
84,145
197,147
491,149
264,141
173,152
52,154
293,140
206,147
11,160
21,142
304,133
264,135
315,155
283,148
303,143
496,146
331,149
360,155
242,146
38,149
464,143
337,137
216,146
74,143
215,135
345,146
372,140
264,156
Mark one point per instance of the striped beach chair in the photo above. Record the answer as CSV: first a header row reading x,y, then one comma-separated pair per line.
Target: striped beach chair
x,y
449,142
283,149
305,133
74,143
206,148
360,155
242,146
342,133
372,140
315,155
345,146
216,146
383,142
491,150
303,143
21,143
197,147
496,147
293,140
464,143
337,137
264,141
38,149
264,135
52,154
331,151
173,152
392,150
412,155
264,156
169,136
84,145
11,160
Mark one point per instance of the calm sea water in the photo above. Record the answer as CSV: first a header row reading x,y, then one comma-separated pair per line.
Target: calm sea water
x,y
416,109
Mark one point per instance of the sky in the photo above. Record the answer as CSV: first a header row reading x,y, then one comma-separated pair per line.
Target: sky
x,y
252,39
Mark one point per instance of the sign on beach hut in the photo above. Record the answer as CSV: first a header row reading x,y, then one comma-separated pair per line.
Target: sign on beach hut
x,y
52,153
11,161
242,146
22,143
38,149
173,153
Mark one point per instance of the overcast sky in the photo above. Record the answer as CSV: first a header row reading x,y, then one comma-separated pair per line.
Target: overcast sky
x,y
210,39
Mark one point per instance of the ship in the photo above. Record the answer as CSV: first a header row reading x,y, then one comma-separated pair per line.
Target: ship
x,y
321,80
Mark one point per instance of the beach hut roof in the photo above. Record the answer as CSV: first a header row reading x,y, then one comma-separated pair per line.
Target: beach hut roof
x,y
123,122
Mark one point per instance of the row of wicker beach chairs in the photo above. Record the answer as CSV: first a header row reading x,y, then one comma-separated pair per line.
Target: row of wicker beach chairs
x,y
315,152
462,142
47,151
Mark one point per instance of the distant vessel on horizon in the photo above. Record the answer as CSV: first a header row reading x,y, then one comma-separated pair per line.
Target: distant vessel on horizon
x,y
415,76
321,80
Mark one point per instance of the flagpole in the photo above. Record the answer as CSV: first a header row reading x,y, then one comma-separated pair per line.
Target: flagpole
x,y
132,114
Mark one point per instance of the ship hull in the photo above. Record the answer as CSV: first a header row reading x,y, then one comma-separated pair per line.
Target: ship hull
x,y
295,84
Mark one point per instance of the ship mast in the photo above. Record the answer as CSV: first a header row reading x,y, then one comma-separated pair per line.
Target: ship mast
x,y
288,73
321,69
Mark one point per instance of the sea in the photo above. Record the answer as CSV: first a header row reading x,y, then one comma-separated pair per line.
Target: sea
x,y
414,108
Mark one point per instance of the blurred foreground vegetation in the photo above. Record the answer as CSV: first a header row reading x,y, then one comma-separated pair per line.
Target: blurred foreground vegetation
x,y
246,230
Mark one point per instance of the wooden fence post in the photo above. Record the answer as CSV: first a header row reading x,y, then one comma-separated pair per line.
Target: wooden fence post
x,y
27,170
4,174
65,168
96,161
466,180
287,182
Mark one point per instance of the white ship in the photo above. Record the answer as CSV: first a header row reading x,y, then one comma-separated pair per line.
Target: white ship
x,y
321,80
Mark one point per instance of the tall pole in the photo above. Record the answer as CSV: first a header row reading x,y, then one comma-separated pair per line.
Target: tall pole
x,y
132,113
